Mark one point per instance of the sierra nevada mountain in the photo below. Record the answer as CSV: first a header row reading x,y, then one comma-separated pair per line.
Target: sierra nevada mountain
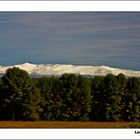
x,y
59,69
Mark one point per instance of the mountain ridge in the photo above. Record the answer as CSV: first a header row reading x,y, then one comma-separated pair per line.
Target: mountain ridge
x,y
59,69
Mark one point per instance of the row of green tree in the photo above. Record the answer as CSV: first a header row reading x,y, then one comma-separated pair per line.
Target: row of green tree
x,y
69,97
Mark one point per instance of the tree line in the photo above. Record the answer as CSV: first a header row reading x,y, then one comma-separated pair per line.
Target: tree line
x,y
69,97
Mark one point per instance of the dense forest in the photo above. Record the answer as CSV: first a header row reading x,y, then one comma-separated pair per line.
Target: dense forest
x,y
69,97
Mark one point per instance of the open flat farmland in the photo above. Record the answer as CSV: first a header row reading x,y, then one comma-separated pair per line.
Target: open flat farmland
x,y
64,124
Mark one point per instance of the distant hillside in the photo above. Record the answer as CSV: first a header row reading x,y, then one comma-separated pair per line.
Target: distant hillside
x,y
57,70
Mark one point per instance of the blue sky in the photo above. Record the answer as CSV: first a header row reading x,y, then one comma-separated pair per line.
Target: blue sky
x,y
80,38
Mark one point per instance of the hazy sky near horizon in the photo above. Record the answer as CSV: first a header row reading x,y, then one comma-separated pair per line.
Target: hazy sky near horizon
x,y
80,38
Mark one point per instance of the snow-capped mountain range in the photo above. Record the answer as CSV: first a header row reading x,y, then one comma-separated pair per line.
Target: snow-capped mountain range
x,y
59,69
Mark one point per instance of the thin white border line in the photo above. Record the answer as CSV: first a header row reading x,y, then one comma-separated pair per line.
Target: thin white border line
x,y
70,6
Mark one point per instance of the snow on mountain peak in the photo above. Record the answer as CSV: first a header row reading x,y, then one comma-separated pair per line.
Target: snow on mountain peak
x,y
26,66
59,69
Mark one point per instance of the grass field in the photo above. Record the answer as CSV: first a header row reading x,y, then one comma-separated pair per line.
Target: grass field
x,y
61,124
